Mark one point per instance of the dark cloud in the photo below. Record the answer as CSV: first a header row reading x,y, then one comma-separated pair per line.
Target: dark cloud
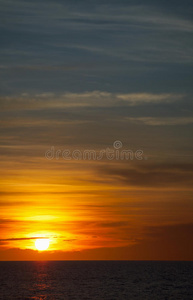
x,y
151,175
9,221
14,202
70,240
113,224
22,239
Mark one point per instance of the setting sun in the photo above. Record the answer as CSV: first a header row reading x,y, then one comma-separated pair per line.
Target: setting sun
x,y
42,244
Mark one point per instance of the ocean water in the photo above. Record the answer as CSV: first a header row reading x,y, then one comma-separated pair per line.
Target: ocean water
x,y
109,280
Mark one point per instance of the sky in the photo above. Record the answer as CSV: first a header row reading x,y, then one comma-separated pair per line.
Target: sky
x,y
96,129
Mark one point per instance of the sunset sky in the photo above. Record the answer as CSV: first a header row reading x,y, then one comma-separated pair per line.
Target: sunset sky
x,y
106,76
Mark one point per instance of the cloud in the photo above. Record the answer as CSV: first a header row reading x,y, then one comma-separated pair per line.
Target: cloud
x,y
22,239
15,203
120,37
45,68
70,240
118,13
5,221
137,99
164,121
85,99
151,175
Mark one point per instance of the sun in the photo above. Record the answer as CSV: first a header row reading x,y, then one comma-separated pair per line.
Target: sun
x,y
42,244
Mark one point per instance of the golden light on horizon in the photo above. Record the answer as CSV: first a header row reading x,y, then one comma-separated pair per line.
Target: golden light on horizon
x,y
42,244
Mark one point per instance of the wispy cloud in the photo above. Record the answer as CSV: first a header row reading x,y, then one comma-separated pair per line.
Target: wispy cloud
x,y
85,99
22,239
173,121
152,175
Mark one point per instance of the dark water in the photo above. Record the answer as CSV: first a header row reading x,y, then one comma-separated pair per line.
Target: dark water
x,y
96,280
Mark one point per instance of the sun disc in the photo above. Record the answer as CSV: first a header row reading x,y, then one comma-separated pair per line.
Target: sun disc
x,y
42,244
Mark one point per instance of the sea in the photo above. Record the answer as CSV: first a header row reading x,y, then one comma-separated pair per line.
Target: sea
x,y
90,280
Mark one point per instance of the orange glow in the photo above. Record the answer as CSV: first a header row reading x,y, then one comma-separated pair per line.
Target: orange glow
x,y
83,217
